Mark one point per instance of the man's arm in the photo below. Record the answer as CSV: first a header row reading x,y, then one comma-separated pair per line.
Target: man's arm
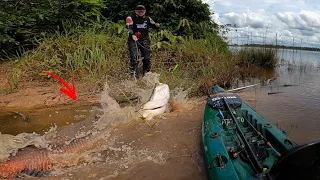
x,y
154,24
129,25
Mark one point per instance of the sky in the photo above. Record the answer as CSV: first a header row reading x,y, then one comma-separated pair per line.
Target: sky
x,y
291,22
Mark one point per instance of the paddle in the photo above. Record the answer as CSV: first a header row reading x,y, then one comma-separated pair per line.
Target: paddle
x,y
245,87
240,88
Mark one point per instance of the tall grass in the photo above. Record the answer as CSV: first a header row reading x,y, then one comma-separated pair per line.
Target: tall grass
x,y
89,53
259,57
93,53
201,65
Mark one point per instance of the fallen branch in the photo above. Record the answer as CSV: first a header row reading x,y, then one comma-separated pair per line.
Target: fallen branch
x,y
270,93
289,85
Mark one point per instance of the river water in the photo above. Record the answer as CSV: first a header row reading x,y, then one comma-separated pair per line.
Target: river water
x,y
41,120
294,106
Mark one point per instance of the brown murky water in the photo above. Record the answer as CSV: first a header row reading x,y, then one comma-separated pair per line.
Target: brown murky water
x,y
169,146
14,121
169,151
295,105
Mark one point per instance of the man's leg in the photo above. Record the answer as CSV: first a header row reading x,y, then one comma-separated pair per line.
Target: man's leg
x,y
133,58
145,52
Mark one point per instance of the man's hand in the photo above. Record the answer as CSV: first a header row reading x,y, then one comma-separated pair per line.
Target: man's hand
x,y
157,25
134,37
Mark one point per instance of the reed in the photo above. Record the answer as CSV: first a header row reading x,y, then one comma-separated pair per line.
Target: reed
x,y
259,57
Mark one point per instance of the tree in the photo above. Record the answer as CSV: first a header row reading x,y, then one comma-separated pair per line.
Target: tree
x,y
22,20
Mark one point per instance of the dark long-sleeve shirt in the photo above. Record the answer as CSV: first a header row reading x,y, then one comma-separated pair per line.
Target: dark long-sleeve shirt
x,y
139,26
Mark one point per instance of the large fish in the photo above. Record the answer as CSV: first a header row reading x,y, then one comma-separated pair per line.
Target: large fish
x,y
33,159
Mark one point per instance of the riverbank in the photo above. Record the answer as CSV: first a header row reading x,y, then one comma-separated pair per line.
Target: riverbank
x,y
33,94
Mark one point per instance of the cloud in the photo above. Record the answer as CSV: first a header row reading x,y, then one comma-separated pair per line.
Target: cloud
x,y
293,21
245,20
286,18
216,18
314,39
311,18
286,33
307,33
225,3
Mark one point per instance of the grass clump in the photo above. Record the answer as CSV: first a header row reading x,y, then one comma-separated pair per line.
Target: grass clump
x,y
259,57
90,53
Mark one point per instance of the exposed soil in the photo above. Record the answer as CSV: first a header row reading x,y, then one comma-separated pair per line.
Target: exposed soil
x,y
37,95
33,94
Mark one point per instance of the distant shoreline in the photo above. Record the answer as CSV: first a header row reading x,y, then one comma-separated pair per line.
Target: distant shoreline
x,y
279,47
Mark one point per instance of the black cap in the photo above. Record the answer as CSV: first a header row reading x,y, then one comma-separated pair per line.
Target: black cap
x,y
140,7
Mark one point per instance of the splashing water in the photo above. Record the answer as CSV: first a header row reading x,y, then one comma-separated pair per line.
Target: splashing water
x,y
116,154
100,132
179,100
113,114
9,144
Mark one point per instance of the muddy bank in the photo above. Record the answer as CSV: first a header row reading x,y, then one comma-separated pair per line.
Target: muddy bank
x,y
31,94
36,95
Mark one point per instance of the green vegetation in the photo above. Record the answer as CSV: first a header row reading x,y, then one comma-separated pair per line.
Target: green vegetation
x,y
259,57
23,23
90,53
88,38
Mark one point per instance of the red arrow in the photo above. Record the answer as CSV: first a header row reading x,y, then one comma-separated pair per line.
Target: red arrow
x,y
71,92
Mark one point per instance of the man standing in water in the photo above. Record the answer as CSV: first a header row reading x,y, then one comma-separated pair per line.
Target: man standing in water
x,y
138,29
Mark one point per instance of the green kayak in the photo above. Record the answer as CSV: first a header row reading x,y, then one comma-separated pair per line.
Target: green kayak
x,y
238,143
